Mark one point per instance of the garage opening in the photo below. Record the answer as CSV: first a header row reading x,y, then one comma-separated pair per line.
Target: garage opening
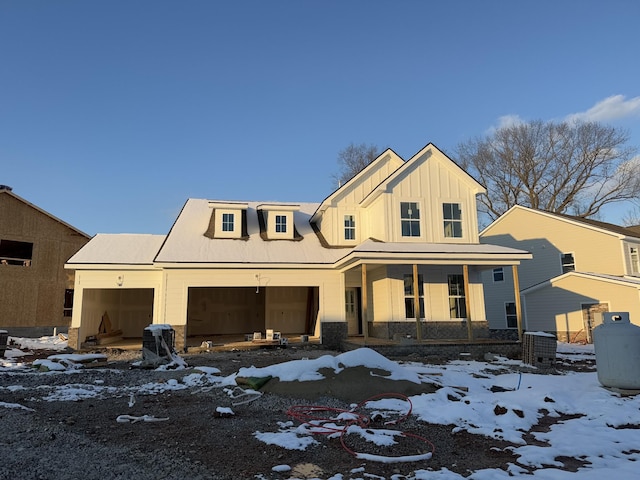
x,y
128,309
244,310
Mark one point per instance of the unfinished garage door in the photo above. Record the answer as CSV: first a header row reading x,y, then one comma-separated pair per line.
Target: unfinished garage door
x,y
242,310
129,310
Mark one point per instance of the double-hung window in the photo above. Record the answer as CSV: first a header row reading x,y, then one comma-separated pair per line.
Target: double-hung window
x,y
452,215
349,227
457,300
568,262
281,224
410,219
510,313
498,274
635,260
409,297
228,220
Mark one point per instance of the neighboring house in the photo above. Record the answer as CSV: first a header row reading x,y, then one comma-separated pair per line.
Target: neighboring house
x,y
36,292
580,268
346,266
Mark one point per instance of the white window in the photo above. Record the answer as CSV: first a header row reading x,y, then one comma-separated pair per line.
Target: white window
x,y
568,262
511,315
228,221
452,215
498,274
409,298
281,224
635,260
410,219
457,301
349,227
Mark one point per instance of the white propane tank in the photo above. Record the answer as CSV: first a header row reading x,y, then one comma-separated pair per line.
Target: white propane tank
x,y
617,346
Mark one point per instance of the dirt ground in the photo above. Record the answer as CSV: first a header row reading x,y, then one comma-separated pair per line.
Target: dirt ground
x,y
82,439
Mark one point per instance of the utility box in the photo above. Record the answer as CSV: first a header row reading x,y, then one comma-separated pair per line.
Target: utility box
x,y
158,344
539,349
617,347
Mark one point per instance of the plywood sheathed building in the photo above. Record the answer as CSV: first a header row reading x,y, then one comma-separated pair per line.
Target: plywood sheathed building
x,y
36,291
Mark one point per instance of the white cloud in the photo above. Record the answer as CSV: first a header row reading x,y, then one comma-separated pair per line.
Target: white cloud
x,y
611,108
509,121
505,121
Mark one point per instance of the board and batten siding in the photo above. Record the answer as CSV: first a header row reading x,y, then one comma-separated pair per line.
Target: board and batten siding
x,y
431,183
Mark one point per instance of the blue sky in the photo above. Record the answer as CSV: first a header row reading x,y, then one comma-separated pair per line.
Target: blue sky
x,y
113,113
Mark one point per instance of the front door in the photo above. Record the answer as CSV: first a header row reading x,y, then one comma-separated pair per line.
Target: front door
x,y
352,311
590,319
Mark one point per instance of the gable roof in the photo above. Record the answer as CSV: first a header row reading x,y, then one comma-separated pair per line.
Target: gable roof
x,y
118,249
409,165
604,227
625,281
387,157
4,190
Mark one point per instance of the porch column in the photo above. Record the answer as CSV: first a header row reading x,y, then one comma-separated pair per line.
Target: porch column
x,y
516,293
467,300
416,302
365,301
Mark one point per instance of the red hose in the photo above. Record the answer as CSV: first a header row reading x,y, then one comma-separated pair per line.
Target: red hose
x,y
309,415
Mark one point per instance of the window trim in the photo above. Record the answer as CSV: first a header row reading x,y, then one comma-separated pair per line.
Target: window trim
x,y
564,266
452,221
409,296
501,272
411,221
280,223
507,315
460,297
349,228
634,256
228,219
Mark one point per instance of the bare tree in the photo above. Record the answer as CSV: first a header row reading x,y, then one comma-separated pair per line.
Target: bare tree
x,y
632,217
352,159
574,168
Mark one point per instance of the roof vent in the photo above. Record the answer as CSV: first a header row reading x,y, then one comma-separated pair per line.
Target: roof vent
x,y
6,187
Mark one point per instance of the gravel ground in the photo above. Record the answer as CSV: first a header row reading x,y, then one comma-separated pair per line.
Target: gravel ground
x,y
56,439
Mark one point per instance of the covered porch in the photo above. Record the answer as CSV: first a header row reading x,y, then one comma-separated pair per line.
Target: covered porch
x,y
422,292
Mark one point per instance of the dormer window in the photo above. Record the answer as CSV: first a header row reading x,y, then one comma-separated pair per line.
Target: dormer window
x,y
281,224
228,220
276,221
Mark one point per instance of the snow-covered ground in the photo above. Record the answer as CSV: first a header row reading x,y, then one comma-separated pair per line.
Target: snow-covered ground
x,y
497,399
